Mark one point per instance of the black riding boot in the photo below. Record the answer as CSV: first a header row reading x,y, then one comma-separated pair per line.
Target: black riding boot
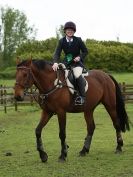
x,y
81,88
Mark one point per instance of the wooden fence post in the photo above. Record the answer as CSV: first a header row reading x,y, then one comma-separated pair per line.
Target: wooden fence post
x,y
1,94
31,97
124,90
5,95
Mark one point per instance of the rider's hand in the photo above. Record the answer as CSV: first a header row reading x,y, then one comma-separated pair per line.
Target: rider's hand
x,y
76,59
55,66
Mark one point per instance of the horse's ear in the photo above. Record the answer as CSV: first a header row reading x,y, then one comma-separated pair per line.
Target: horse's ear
x,y
18,60
30,60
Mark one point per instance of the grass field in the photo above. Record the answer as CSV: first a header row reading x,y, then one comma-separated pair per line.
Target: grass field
x,y
19,158
17,139
7,82
124,77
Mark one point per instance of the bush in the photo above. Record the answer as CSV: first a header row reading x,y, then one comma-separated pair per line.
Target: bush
x,y
8,73
105,55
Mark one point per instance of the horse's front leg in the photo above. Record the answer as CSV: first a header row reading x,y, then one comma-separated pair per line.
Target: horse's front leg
x,y
62,135
43,121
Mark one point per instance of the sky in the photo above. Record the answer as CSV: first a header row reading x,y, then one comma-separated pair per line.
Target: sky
x,y
95,19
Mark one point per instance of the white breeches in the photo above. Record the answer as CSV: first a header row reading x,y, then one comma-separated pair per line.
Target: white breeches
x,y
77,71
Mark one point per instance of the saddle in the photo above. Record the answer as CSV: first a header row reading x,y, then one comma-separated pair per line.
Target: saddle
x,y
70,79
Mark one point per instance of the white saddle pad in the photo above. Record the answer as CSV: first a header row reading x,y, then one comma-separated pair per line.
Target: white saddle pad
x,y
69,84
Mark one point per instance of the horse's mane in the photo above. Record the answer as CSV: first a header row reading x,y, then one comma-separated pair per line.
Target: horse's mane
x,y
39,63
23,63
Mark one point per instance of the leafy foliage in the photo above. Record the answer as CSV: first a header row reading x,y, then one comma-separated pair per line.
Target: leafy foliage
x,y
15,32
105,55
37,49
110,55
60,32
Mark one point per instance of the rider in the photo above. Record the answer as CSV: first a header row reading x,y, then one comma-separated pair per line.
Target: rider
x,y
75,53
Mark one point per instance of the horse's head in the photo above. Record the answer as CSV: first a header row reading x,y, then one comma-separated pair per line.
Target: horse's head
x,y
24,79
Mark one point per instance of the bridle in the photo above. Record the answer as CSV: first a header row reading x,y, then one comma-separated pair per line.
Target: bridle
x,y
41,95
29,76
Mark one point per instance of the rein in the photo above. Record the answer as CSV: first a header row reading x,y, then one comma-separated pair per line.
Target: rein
x,y
41,95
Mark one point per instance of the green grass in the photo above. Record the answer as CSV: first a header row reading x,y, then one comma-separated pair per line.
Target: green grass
x,y
17,137
7,82
124,77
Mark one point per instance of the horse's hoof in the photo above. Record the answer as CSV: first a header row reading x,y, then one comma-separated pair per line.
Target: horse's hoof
x,y
62,158
43,156
118,151
82,153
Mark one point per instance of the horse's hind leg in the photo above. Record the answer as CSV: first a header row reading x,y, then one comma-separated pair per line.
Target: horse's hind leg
x,y
90,130
62,135
116,123
44,120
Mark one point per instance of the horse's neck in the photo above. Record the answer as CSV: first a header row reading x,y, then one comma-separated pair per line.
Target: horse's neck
x,y
44,80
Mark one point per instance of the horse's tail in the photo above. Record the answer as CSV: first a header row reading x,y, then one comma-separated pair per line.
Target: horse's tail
x,y
120,107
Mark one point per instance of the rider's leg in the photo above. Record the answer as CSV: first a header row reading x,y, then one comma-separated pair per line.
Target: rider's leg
x,y
77,71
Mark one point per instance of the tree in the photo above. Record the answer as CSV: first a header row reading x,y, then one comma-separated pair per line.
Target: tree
x,y
37,49
60,32
15,31
0,38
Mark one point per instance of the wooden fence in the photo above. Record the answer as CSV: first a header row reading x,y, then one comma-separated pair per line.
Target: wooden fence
x,y
127,91
7,96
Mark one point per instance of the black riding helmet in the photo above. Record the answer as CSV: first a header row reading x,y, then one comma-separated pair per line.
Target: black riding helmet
x,y
70,25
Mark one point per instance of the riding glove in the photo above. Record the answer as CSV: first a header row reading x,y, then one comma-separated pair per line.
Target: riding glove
x,y
55,66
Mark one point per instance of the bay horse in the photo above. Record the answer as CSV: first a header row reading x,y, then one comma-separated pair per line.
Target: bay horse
x,y
57,99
